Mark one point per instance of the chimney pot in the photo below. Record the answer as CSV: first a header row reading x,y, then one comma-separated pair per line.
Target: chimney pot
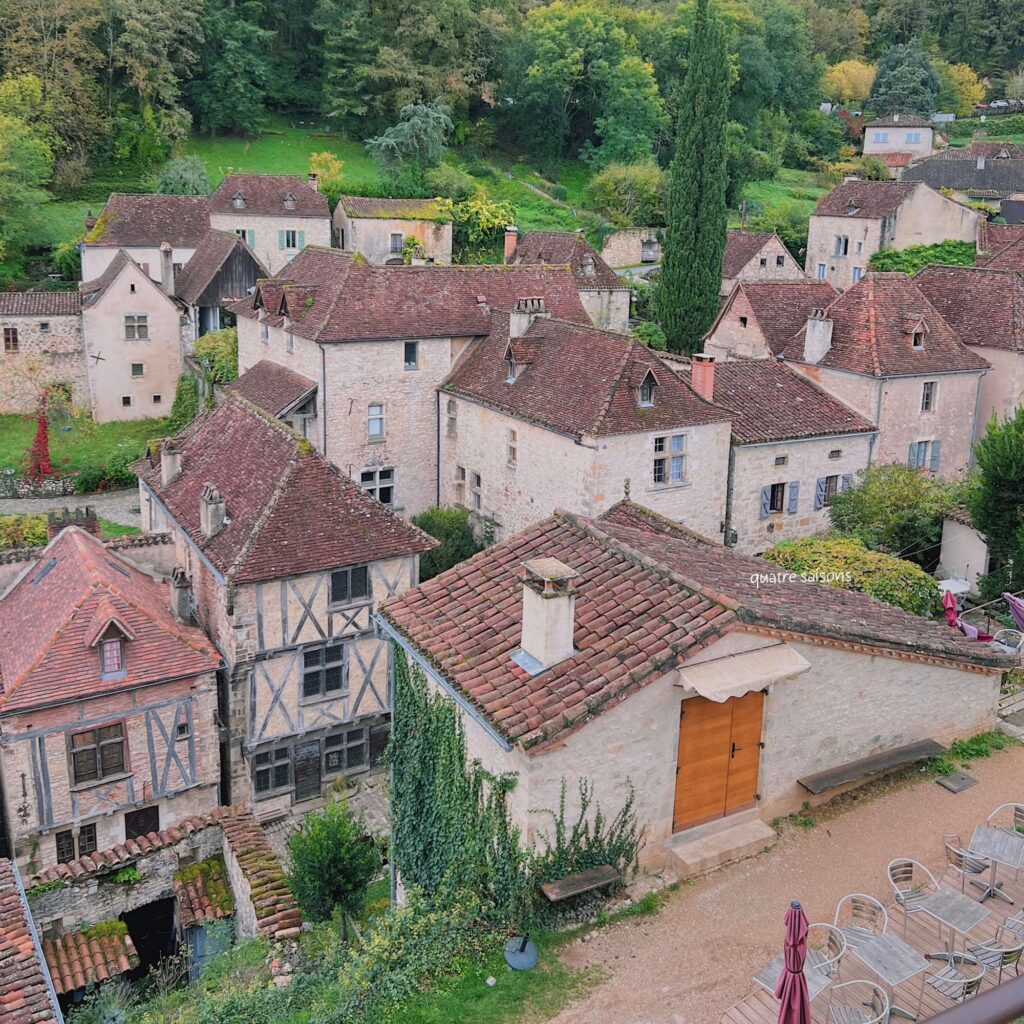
x,y
524,312
85,518
167,268
181,595
702,375
212,511
817,337
170,463
90,221
314,182
549,601
511,241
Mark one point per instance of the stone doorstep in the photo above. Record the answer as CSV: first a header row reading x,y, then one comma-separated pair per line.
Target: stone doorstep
x,y
700,850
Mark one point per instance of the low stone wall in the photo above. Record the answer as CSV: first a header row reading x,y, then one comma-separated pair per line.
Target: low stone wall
x,y
16,486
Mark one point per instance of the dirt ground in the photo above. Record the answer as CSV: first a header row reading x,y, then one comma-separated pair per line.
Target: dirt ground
x,y
695,958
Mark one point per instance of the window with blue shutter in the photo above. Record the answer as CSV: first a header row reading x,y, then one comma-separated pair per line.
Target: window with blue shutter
x,y
847,481
819,493
766,501
280,240
794,496
250,237
302,240
912,454
933,464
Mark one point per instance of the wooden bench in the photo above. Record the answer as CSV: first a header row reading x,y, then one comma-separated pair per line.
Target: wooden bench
x,y
876,764
575,885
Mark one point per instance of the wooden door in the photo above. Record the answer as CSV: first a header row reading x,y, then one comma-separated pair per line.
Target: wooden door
x,y
718,757
307,771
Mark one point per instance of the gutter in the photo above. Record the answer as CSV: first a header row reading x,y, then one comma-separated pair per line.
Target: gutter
x,y
37,949
384,626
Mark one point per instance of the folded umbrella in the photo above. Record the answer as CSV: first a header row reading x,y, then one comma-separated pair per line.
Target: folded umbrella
x,y
791,989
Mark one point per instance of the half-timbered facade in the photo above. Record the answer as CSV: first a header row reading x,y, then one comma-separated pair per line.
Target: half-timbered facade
x,y
284,558
107,708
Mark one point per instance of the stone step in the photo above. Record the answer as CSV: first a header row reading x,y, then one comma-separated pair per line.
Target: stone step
x,y
699,851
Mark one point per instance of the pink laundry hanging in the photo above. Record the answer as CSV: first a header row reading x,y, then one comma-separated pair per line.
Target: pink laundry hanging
x,y
1016,606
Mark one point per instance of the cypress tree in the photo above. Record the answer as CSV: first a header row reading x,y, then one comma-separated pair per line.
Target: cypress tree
x,y
694,242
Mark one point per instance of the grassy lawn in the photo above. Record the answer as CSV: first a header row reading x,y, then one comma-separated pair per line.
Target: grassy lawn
x,y
75,443
801,189
63,222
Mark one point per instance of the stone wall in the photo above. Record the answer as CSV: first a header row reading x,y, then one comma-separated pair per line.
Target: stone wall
x,y
865,238
55,355
623,248
895,141
1002,388
732,338
608,308
372,236
266,234
96,258
771,252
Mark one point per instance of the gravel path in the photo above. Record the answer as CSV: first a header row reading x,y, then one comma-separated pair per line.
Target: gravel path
x,y
692,961
117,506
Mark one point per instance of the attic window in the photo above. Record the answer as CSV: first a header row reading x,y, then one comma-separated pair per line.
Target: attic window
x,y
588,266
112,656
743,321
510,377
646,399
289,202
851,209
238,201
918,338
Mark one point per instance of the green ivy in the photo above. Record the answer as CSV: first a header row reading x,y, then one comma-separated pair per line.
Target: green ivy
x,y
126,876
186,404
917,257
44,887
217,355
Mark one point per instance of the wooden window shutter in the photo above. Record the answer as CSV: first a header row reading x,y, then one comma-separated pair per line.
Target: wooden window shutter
x,y
819,493
847,481
933,465
794,496
250,237
302,239
766,502
280,239
912,454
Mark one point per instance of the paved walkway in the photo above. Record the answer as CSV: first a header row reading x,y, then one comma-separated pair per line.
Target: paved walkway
x,y
117,506
692,961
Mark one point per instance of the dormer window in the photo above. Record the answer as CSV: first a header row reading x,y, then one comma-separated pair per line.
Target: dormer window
x,y
238,201
589,269
918,338
646,400
512,370
112,655
289,202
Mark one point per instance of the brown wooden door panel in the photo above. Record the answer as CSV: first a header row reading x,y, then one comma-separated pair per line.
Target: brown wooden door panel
x,y
702,771
745,751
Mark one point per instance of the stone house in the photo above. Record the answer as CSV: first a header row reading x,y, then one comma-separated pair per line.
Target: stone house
x,y
985,306
996,239
277,215
794,447
377,342
886,351
988,172
140,224
133,329
545,414
41,346
758,318
283,558
632,247
108,707
379,229
605,296
858,218
757,256
899,134
635,655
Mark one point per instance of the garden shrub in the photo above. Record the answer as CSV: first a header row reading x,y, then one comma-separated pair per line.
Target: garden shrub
x,y
651,335
885,577
453,527
630,195
22,531
217,355
450,182
186,404
917,257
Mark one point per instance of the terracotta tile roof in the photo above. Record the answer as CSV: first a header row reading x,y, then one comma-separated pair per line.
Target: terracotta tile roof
x,y
194,906
990,150
76,960
393,209
211,254
40,303
265,195
289,511
900,120
578,380
771,402
870,199
650,594
24,988
894,159
998,178
148,220
872,332
780,308
984,305
571,249
1009,257
331,295
50,617
272,387
994,237
740,248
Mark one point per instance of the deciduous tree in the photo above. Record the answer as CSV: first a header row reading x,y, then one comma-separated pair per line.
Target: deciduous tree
x,y
849,81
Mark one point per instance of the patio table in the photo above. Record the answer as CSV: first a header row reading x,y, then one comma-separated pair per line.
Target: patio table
x,y
768,977
894,962
956,911
998,847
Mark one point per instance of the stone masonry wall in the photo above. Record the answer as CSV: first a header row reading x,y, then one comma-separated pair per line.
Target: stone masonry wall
x,y
372,237
56,356
731,339
623,248
608,308
865,237
753,271
266,230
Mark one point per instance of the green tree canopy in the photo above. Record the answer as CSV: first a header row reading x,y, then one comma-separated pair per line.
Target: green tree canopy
x,y
905,82
183,176
416,143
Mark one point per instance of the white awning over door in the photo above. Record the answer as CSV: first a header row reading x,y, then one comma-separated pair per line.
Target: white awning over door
x,y
738,674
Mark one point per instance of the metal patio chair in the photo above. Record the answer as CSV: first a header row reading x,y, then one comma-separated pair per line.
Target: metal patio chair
x,y
826,945
858,1002
958,978
860,918
911,883
999,954
961,864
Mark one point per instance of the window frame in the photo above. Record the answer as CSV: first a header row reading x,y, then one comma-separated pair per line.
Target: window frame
x,y
141,373
376,417
291,238
476,491
451,410
136,327
113,643
858,273
44,326
831,489
777,489
97,747
348,738
822,271
780,259
461,483
841,248
415,363
929,395
375,485
280,756
348,600
670,451
12,343
333,655
512,447
645,398
392,250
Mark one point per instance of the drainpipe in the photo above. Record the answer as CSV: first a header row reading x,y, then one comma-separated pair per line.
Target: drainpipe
x,y
729,481
977,406
437,447
323,390
878,421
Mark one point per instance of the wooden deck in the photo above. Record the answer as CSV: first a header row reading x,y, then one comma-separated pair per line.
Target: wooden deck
x,y
922,932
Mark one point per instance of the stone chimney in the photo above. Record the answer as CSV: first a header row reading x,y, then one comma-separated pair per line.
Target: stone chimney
x,y
167,268
895,118
212,511
702,375
181,596
170,463
85,518
549,603
524,312
313,181
818,338
511,241
90,221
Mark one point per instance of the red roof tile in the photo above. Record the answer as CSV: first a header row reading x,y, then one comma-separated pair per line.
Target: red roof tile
x,y
24,990
992,238
265,195
392,209
871,199
900,120
272,387
53,614
578,380
194,906
76,960
40,303
872,332
740,248
984,305
649,595
1009,257
571,249
289,511
894,159
148,220
340,297
780,308
771,402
